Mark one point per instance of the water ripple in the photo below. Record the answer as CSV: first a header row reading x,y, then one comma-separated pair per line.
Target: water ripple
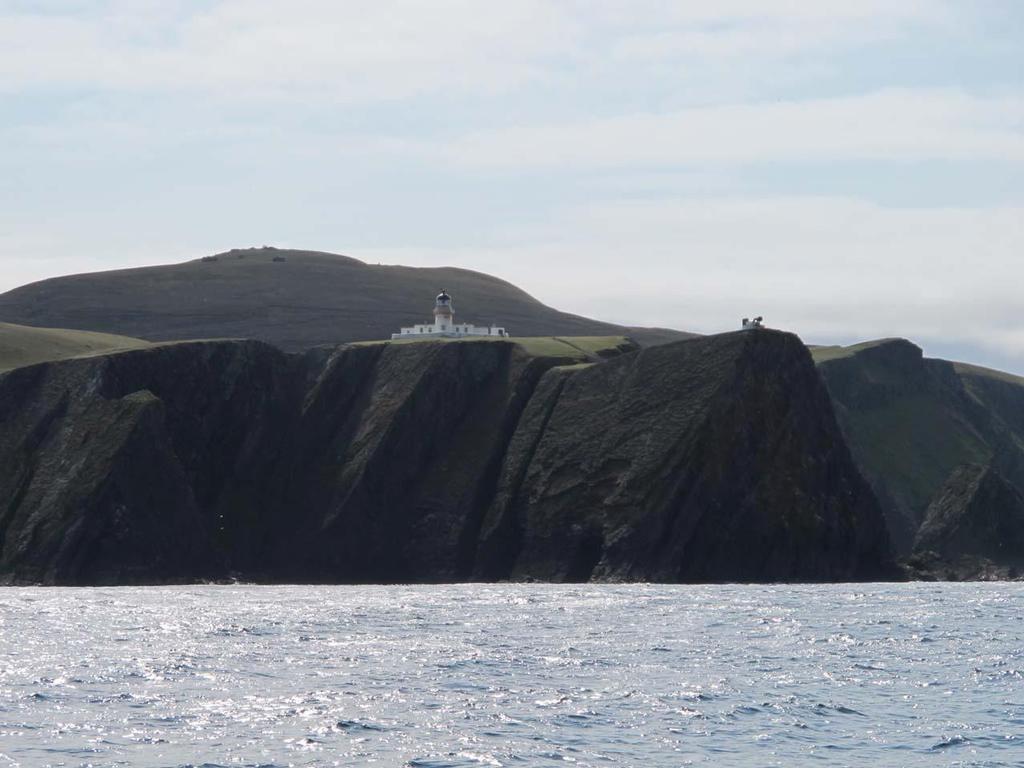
x,y
513,675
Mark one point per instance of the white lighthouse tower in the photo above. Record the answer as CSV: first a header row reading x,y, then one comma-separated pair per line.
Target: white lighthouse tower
x,y
444,325
444,316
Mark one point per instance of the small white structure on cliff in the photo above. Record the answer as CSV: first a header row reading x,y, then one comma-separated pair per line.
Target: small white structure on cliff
x,y
444,325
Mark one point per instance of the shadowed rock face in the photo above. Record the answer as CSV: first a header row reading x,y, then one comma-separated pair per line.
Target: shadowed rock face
x,y
911,421
712,459
147,466
977,513
399,448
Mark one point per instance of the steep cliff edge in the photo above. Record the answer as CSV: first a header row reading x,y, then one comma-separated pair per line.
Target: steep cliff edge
x,y
707,460
147,465
711,459
975,523
398,448
911,421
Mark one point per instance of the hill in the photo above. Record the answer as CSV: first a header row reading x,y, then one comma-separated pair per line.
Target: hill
x,y
292,299
911,422
21,345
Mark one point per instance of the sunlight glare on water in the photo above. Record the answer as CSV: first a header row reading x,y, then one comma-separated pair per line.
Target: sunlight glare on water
x,y
513,675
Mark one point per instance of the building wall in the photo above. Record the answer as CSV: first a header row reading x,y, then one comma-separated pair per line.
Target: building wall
x,y
458,330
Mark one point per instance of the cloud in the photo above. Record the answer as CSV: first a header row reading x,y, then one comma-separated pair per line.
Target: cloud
x,y
893,124
741,28
354,50
388,49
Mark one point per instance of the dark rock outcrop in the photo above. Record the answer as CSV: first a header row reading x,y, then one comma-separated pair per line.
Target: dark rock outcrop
x,y
143,466
706,460
717,459
398,449
977,515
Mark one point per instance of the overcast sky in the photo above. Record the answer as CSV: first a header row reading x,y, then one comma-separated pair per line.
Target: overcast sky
x,y
849,168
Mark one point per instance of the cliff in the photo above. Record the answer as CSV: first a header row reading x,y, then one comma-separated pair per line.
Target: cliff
x,y
711,459
716,459
911,421
141,466
975,522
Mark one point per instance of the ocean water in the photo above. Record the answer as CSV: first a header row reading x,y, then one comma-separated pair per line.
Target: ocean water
x,y
513,675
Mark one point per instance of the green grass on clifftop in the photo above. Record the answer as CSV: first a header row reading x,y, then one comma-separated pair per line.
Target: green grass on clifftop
x,y
966,369
827,354
577,348
22,345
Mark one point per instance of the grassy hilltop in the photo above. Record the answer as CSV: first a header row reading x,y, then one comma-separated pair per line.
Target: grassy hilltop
x,y
292,299
21,346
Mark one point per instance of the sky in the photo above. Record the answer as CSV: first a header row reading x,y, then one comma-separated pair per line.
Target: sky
x,y
849,170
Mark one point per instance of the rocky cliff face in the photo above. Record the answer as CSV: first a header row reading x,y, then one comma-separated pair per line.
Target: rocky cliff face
x,y
717,459
711,459
978,515
143,466
911,421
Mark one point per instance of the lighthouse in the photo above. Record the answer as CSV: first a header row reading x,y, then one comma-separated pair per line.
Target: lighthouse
x,y
444,316
444,325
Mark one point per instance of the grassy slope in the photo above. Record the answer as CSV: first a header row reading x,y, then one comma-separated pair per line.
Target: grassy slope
x,y
915,442
827,354
1001,395
581,349
308,299
911,421
911,433
21,345
967,370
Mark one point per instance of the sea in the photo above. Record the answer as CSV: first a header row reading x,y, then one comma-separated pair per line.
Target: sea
x,y
513,675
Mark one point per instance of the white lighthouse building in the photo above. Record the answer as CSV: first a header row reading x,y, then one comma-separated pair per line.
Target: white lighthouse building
x,y
444,325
